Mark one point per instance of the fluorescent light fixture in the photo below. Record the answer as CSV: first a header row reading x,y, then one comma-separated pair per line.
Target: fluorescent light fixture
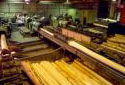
x,y
15,2
67,2
27,1
49,2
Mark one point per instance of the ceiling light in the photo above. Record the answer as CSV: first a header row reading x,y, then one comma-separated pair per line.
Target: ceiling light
x,y
27,1
67,2
49,2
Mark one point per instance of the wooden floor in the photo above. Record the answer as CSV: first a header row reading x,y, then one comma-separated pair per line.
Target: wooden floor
x,y
62,73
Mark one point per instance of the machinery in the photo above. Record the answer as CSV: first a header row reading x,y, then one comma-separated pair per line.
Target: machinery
x,y
9,70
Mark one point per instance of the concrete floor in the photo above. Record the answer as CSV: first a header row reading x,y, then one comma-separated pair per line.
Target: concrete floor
x,y
18,37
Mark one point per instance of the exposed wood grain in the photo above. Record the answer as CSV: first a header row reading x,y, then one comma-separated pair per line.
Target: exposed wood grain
x,y
3,42
98,57
30,73
61,73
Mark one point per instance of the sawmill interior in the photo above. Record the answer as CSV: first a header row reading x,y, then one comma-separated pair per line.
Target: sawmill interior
x,y
62,42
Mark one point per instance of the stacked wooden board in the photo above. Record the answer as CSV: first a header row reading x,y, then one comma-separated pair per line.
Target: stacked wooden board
x,y
115,47
77,36
60,72
10,72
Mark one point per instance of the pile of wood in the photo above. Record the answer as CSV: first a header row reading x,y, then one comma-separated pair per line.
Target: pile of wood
x,y
76,36
9,69
60,72
115,47
116,42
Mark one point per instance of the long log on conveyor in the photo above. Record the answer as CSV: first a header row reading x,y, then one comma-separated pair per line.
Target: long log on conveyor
x,y
98,57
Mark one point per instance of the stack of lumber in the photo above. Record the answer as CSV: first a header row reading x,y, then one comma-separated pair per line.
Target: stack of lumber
x,y
10,70
117,42
76,36
115,46
60,72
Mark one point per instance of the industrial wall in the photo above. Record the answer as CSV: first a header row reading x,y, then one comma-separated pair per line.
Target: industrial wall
x,y
10,9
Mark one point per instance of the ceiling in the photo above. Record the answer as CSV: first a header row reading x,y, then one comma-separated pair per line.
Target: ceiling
x,y
87,4
73,1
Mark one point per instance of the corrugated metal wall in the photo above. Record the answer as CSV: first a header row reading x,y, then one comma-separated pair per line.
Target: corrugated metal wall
x,y
10,9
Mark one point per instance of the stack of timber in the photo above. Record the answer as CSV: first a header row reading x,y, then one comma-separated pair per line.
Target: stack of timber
x,y
115,47
60,72
76,36
9,69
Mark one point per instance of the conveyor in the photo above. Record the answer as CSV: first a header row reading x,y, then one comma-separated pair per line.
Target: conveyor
x,y
106,68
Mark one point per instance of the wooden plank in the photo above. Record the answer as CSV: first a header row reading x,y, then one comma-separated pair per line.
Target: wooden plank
x,y
44,75
51,71
84,77
70,72
90,73
110,71
68,77
98,57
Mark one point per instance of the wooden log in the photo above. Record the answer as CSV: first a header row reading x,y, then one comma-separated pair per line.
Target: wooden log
x,y
70,72
38,75
71,80
85,72
30,73
3,42
90,73
98,57
54,73
84,77
45,75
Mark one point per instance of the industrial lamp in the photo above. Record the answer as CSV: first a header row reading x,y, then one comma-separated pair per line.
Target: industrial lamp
x,y
27,1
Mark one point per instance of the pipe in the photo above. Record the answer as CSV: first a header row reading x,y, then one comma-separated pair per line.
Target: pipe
x,y
98,57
